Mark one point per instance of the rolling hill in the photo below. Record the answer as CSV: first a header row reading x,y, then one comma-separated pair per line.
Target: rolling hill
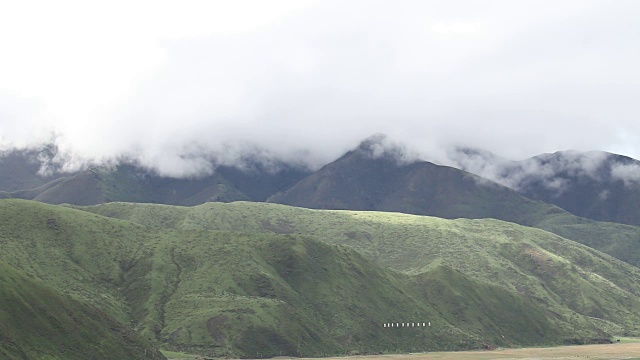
x,y
595,185
561,275
261,287
37,322
362,180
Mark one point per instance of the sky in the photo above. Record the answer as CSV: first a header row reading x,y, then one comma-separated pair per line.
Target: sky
x,y
179,85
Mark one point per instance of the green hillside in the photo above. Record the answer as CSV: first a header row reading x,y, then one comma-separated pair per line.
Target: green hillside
x,y
557,273
37,322
361,181
258,294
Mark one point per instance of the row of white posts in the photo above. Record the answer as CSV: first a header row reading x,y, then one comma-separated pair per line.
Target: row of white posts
x,y
398,325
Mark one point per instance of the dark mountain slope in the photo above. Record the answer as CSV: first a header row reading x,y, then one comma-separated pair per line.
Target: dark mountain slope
x,y
21,169
37,322
596,185
606,187
361,181
259,181
134,184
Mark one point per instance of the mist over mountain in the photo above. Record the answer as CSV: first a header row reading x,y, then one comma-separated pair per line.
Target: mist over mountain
x,y
594,184
173,87
129,182
375,177
27,168
220,146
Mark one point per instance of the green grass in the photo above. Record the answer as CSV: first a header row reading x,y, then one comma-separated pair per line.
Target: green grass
x,y
178,355
626,339
556,272
37,322
359,181
258,280
223,293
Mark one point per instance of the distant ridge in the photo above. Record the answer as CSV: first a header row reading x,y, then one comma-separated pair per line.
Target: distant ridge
x,y
594,184
362,180
21,169
377,175
606,188
127,182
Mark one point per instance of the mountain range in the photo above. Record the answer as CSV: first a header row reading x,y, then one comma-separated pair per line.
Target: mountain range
x,y
270,259
593,185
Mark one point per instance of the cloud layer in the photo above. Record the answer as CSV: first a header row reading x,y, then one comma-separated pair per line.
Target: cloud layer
x,y
177,86
556,172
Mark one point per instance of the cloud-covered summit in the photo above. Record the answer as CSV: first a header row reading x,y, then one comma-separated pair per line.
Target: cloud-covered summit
x,y
554,172
179,87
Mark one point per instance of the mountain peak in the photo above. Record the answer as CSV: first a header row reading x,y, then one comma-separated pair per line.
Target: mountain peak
x,y
380,146
372,142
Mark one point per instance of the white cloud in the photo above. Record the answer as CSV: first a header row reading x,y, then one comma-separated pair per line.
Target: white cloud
x,y
176,84
628,173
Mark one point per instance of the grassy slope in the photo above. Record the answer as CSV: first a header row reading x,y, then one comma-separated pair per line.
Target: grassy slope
x,y
555,272
37,322
618,240
358,181
260,294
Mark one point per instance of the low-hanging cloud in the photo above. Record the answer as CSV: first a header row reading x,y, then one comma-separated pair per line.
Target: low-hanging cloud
x,y
306,81
628,173
556,172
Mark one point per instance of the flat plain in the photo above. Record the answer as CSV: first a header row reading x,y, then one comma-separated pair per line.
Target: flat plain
x,y
629,350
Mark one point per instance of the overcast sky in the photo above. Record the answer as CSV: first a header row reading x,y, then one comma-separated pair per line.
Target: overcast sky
x,y
173,83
